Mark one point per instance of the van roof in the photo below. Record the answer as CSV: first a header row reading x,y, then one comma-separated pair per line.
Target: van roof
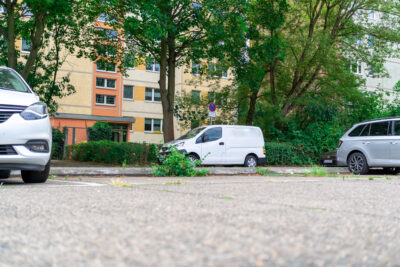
x,y
225,125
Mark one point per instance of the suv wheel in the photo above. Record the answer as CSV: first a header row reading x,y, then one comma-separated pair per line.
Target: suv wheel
x,y
4,174
250,161
36,176
357,163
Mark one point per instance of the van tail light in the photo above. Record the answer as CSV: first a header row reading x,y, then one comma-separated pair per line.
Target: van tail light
x,y
340,143
264,151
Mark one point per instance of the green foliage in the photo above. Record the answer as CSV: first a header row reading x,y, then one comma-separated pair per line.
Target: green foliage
x,y
285,154
177,164
57,148
262,171
100,131
112,152
317,171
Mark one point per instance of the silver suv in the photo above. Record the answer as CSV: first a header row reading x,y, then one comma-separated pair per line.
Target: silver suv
x,y
374,143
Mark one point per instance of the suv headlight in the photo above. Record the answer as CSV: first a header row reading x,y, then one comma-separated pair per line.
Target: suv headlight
x,y
35,111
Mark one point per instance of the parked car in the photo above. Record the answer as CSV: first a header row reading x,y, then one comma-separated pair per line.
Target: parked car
x,y
25,131
371,144
329,158
222,145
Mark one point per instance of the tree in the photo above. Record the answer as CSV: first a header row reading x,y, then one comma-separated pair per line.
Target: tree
x,y
174,32
53,24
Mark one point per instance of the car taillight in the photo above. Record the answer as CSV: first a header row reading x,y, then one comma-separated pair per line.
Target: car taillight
x,y
340,143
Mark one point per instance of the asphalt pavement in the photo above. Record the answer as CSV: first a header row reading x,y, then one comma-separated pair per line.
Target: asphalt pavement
x,y
206,221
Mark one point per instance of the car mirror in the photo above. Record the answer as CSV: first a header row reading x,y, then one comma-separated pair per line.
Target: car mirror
x,y
199,140
206,138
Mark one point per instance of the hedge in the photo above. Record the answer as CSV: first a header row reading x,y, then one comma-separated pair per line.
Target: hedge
x,y
112,152
286,154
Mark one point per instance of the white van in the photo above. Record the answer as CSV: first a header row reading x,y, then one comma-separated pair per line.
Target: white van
x,y
222,145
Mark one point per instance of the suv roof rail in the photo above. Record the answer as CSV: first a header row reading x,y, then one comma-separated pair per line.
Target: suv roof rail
x,y
381,119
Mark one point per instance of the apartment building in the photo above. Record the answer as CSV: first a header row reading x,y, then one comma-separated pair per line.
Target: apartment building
x,y
130,103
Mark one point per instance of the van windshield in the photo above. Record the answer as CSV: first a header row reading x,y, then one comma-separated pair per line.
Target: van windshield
x,y
192,133
10,81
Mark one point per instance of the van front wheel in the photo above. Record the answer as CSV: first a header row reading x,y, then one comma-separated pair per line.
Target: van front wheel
x,y
250,161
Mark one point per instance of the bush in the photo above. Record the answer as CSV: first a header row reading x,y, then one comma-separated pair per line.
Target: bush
x,y
177,164
112,152
285,154
99,131
57,147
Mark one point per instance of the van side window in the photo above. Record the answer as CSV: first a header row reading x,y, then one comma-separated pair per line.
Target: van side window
x,y
396,128
357,131
213,134
365,132
379,128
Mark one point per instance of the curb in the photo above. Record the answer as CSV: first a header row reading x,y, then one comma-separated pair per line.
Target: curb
x,y
136,172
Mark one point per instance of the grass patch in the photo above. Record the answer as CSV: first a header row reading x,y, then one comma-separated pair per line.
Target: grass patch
x,y
52,177
120,183
316,208
262,171
174,182
317,171
228,198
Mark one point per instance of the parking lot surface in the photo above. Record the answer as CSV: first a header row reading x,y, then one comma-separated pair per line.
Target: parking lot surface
x,y
209,221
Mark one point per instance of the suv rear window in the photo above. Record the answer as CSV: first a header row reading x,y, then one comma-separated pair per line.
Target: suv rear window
x,y
379,128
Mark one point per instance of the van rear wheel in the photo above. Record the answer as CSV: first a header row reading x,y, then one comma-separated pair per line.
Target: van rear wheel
x,y
250,161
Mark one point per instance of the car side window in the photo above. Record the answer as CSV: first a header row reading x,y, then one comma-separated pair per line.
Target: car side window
x,y
212,134
396,128
365,131
357,131
379,128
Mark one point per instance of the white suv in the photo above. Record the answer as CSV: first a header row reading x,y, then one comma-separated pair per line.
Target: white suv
x,y
25,131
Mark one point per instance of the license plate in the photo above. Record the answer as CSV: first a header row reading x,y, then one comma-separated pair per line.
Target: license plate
x,y
328,161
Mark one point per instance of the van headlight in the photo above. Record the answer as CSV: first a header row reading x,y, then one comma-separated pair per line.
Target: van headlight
x,y
180,144
35,111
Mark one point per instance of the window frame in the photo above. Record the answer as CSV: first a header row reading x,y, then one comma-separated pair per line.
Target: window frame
x,y
133,92
22,46
105,83
105,100
152,125
380,122
152,95
153,65
108,71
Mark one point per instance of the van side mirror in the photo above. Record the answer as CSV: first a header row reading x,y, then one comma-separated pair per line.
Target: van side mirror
x,y
199,139
206,138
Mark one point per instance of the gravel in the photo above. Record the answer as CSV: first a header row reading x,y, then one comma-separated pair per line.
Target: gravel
x,y
212,221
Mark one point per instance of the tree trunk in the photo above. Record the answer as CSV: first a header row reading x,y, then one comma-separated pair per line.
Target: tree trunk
x,y
163,87
11,51
169,133
252,108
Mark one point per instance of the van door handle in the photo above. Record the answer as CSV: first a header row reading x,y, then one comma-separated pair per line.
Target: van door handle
x,y
221,143
366,143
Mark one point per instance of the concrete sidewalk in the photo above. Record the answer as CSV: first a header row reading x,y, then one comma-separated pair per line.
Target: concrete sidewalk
x,y
145,171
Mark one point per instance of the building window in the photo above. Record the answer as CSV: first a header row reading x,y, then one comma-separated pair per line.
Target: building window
x,y
356,68
105,83
108,100
107,34
196,68
106,66
26,46
370,40
215,70
129,61
106,50
26,11
153,94
196,96
2,10
128,92
217,98
153,125
107,18
371,14
152,65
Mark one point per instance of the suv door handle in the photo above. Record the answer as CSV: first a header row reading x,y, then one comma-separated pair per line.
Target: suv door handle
x,y
366,143
393,143
221,143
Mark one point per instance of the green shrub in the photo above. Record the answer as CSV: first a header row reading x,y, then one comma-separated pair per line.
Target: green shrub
x,y
57,147
177,164
100,131
106,151
285,154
